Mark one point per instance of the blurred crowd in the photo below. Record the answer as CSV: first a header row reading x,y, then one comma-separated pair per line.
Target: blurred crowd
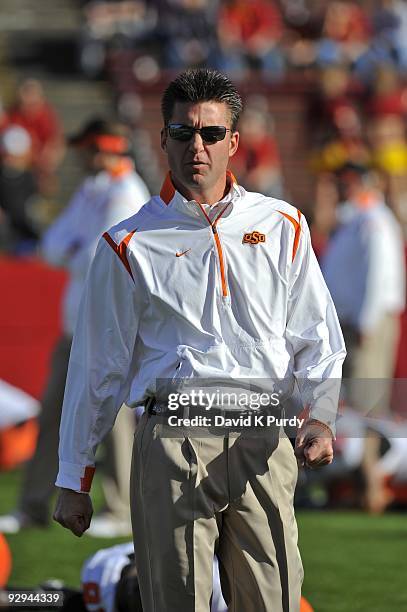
x,y
272,36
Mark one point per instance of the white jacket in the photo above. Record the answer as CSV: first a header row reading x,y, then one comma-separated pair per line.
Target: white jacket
x,y
180,290
100,202
364,266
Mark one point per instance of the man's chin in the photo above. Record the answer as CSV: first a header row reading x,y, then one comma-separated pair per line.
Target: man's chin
x,y
197,178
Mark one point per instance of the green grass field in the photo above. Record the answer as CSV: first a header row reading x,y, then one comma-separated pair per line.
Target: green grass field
x,y
353,562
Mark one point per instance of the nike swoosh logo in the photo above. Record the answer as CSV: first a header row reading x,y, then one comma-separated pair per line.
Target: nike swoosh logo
x,y
183,253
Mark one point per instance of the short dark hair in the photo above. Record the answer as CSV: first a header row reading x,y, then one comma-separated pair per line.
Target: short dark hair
x,y
201,85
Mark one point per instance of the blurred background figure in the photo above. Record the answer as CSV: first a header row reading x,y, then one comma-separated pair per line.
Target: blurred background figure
x,y
257,161
386,131
363,266
186,31
334,121
249,33
346,33
16,406
32,111
111,25
111,192
131,111
304,20
364,269
19,196
388,45
3,115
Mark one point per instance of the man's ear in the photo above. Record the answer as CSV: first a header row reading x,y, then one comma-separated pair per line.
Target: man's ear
x,y
234,143
164,139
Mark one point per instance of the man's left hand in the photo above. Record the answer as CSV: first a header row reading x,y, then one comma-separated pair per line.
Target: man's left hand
x,y
313,446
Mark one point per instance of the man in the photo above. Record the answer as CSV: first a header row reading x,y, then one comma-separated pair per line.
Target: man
x,y
364,269
181,292
18,192
34,113
111,192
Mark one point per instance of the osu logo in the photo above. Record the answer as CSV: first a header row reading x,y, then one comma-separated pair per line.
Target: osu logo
x,y
254,238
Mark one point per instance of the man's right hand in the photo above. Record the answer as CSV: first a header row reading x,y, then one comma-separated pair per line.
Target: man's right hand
x,y
74,511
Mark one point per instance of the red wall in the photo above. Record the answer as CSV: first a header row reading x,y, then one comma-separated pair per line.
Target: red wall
x,y
30,321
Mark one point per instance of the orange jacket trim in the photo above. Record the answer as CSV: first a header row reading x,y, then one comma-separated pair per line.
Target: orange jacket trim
x,y
222,265
86,480
297,228
168,190
121,249
218,245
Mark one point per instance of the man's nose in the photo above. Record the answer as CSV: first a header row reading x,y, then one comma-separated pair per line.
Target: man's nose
x,y
196,143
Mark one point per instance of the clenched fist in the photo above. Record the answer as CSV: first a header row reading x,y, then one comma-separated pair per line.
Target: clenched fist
x,y
313,446
74,511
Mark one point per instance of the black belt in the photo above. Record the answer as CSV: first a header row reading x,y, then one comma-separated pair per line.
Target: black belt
x,y
152,408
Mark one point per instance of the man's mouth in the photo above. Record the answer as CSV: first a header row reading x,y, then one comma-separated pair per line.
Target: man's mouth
x,y
196,163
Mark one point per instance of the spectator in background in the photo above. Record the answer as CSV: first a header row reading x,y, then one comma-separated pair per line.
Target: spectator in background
x,y
346,33
333,93
132,112
399,9
18,192
249,33
35,114
387,111
113,24
346,142
388,95
111,192
186,30
257,160
304,21
324,214
389,43
364,270
336,136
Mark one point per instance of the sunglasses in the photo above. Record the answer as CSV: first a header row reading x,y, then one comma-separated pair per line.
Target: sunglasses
x,y
209,134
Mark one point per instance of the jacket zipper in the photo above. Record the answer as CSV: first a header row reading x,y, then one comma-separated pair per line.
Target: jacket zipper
x,y
221,261
218,248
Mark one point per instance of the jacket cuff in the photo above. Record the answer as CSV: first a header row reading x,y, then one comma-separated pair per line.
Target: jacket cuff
x,y
75,477
329,427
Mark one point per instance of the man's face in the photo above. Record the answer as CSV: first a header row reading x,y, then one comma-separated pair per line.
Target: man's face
x,y
196,166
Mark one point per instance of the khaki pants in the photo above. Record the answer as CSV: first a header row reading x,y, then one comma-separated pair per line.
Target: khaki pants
x,y
192,497
372,365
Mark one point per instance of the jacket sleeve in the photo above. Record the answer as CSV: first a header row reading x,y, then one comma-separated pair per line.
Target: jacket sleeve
x,y
314,334
101,365
61,238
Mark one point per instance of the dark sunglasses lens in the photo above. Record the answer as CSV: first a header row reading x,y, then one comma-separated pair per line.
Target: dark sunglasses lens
x,y
213,133
183,133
